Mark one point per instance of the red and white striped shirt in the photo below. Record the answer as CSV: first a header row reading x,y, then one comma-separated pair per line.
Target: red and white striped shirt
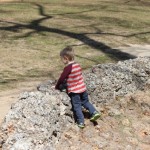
x,y
73,75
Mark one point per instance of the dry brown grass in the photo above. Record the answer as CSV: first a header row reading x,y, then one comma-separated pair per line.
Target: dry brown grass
x,y
10,0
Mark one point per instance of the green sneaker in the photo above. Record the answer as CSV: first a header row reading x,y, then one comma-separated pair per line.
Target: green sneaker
x,y
95,116
81,125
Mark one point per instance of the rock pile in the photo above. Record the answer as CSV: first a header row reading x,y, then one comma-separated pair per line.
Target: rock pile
x,y
105,82
38,119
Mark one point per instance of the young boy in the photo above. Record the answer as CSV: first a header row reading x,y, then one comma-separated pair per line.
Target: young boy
x,y
76,89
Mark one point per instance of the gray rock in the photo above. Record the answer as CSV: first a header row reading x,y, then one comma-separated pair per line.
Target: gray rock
x,y
109,80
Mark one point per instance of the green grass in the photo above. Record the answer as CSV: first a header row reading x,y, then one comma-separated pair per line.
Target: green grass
x,y
32,34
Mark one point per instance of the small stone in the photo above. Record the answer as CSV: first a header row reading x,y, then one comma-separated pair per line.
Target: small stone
x,y
62,109
128,147
114,112
126,122
24,95
128,131
107,136
132,140
143,146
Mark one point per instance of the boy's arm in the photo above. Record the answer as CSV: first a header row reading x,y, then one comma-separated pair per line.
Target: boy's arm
x,y
64,75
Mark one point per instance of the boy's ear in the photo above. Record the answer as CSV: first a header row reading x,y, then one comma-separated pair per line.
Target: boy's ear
x,y
65,57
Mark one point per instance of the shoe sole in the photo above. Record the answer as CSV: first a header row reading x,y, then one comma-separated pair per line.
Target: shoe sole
x,y
95,117
80,127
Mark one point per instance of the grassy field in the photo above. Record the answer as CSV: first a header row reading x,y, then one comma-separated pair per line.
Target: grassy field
x,y
33,32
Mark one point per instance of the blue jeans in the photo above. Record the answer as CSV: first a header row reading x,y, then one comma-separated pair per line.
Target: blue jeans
x,y
78,100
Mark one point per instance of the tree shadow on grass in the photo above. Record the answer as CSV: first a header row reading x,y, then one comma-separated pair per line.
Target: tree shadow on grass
x,y
36,27
139,2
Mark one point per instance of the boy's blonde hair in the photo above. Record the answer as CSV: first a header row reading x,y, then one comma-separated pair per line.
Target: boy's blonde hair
x,y
68,52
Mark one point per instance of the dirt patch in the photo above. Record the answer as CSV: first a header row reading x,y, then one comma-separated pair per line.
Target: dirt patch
x,y
127,130
7,98
136,50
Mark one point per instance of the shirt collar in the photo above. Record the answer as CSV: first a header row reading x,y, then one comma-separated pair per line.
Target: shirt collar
x,y
71,62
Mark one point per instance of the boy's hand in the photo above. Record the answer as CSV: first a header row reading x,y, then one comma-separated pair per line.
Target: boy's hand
x,y
53,87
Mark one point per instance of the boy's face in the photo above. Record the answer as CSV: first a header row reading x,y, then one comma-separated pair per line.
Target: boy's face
x,y
64,59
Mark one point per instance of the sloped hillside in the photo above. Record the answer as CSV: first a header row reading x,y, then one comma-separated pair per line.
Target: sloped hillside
x,y
124,125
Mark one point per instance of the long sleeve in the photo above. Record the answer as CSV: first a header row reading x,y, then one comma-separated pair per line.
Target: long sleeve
x,y
64,75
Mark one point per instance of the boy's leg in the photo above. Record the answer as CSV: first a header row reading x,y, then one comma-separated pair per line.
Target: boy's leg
x,y
77,107
86,104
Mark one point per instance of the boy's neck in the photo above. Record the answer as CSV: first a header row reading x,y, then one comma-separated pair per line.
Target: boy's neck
x,y
70,62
